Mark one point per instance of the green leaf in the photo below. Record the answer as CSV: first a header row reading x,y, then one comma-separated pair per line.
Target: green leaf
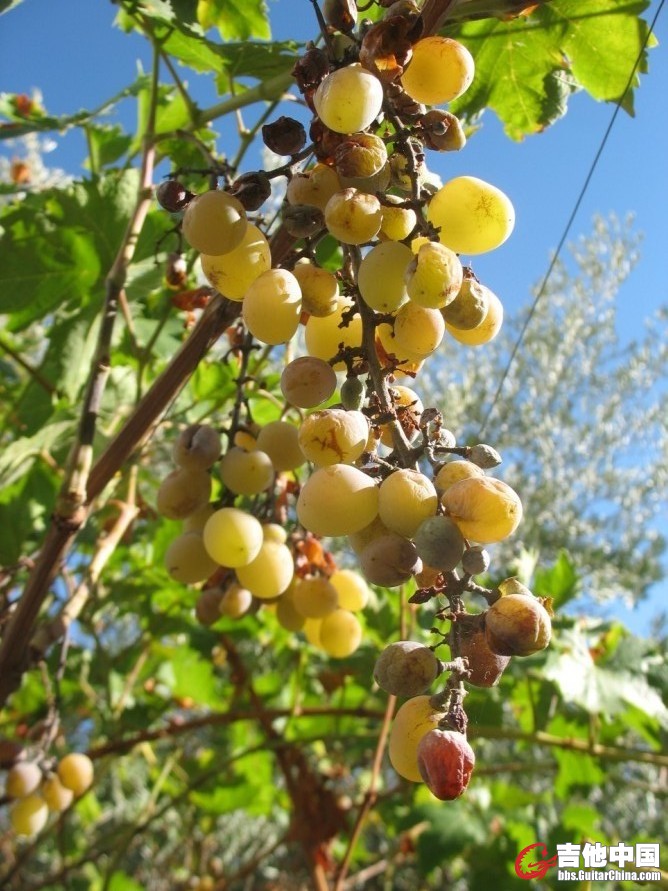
x,y
235,21
121,881
106,144
16,457
560,581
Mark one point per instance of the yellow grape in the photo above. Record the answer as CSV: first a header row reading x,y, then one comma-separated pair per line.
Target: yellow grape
x,y
272,306
414,719
28,815
314,187
280,440
232,537
197,447
323,337
340,633
486,330
337,500
348,99
472,216
235,602
23,779
246,473
270,573
214,222
397,222
314,597
352,589
75,772
470,306
187,560
320,289
197,520
57,797
274,532
381,276
182,492
353,217
418,330
434,276
454,471
311,629
406,498
485,509
440,70
234,272
287,614
333,436
308,381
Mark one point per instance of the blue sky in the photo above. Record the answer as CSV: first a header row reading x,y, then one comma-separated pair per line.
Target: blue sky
x,y
70,51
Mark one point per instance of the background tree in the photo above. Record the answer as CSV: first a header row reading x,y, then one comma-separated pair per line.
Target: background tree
x,y
230,753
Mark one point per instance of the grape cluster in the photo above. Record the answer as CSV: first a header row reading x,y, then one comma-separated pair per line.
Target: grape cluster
x,y
39,787
355,452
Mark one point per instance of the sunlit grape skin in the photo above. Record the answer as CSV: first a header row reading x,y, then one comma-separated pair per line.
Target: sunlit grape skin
x,y
349,99
440,70
232,537
272,306
340,633
28,815
233,273
75,772
486,510
415,718
471,215
214,222
337,500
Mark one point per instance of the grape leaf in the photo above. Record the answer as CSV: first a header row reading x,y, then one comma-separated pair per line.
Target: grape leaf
x,y
527,67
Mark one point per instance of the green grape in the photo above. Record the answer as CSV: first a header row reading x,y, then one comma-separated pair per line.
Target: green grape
x,y
469,307
270,573
232,537
397,222
333,436
272,306
23,778
313,188
353,217
314,597
337,500
485,330
406,668
214,223
348,99
352,589
320,289
235,602
413,720
246,473
308,381
439,543
324,337
187,560
280,440
381,276
417,331
472,216
57,797
440,70
352,393
233,273
28,815
406,498
486,510
454,471
182,492
75,772
389,560
434,276
340,633
197,447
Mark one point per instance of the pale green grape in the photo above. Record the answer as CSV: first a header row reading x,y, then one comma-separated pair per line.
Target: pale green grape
x,y
308,381
187,560
246,473
76,772
340,633
182,492
320,289
418,330
353,217
440,70
23,779
235,602
469,307
485,330
270,573
323,337
486,510
280,440
232,537
272,306
472,216
397,222
333,436
28,815
434,276
337,500
287,613
314,187
274,532
348,99
234,272
57,797
214,222
197,520
352,589
381,276
197,447
454,471
314,597
406,498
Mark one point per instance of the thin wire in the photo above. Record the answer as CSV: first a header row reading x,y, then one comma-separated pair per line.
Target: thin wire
x,y
567,228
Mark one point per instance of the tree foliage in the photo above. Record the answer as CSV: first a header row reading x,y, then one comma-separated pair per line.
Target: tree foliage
x,y
231,752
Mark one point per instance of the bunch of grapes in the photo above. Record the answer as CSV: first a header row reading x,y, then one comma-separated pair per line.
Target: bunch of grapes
x,y
39,786
356,454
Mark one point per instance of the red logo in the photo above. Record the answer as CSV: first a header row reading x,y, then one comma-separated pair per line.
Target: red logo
x,y
532,863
